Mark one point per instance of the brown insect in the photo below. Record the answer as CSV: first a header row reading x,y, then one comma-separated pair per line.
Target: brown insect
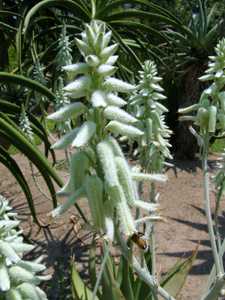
x,y
138,239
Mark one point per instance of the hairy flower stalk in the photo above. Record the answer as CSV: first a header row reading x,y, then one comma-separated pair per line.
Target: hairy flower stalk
x,y
153,146
209,117
95,172
19,278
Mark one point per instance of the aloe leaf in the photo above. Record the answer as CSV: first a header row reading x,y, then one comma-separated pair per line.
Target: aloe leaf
x,y
11,164
72,6
127,283
26,82
110,285
79,289
13,133
175,279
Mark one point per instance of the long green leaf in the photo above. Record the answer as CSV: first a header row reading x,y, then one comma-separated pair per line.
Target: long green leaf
x,y
26,82
17,138
79,289
174,280
71,6
13,167
37,127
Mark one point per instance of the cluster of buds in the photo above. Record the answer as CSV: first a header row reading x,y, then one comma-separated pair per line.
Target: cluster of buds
x,y
98,168
38,72
63,56
18,277
209,113
154,144
24,124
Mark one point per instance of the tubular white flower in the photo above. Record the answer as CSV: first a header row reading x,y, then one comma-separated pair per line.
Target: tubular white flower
x,y
106,157
108,51
125,179
65,140
98,99
76,69
68,111
112,60
84,134
117,114
69,202
115,100
106,70
117,85
149,177
79,85
123,129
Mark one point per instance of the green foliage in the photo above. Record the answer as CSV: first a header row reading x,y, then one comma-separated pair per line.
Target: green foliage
x,y
119,282
12,134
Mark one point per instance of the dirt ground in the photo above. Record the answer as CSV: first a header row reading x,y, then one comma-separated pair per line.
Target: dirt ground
x,y
181,200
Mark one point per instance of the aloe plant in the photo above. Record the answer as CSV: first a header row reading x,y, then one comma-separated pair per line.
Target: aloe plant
x,y
153,146
19,278
209,116
98,168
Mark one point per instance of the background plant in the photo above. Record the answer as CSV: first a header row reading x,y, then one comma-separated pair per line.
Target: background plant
x,y
209,116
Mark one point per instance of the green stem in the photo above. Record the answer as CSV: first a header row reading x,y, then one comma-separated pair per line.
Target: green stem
x,y
152,237
101,272
208,208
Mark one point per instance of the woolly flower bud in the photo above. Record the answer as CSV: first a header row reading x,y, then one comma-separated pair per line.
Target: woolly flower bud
x,y
98,99
125,179
84,134
117,85
106,157
117,114
68,111
108,51
80,84
65,140
125,217
123,129
149,177
114,100
76,69
69,202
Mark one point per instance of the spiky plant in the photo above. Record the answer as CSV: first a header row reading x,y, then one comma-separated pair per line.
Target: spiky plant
x,y
19,278
154,145
98,168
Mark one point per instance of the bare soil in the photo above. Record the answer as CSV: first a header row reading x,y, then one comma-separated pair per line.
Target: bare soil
x,y
181,200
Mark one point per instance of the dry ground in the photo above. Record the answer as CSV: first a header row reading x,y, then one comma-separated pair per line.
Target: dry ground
x,y
181,199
